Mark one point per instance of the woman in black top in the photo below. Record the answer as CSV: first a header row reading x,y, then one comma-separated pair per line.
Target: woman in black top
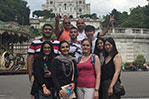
x,y
63,69
111,69
42,85
99,49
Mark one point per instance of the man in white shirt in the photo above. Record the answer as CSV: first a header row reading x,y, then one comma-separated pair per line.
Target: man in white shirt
x,y
81,26
89,31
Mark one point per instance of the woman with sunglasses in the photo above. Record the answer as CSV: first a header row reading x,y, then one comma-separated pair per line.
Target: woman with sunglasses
x,y
89,77
64,70
42,86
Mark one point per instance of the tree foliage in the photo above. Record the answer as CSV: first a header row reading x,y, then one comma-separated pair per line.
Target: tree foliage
x,y
14,10
92,16
138,18
46,14
140,60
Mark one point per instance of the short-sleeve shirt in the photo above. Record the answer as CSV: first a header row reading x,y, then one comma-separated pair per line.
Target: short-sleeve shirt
x,y
64,35
81,36
35,46
76,50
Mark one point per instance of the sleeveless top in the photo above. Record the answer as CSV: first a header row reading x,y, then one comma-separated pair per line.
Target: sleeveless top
x,y
108,69
86,78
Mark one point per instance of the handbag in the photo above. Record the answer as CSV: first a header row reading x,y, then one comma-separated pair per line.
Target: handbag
x,y
118,89
65,87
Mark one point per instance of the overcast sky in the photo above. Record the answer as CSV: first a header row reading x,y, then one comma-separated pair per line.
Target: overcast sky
x,y
101,7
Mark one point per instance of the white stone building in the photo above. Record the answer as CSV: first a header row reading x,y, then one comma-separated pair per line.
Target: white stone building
x,y
73,8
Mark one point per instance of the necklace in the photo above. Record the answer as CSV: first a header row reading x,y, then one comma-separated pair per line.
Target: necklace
x,y
67,68
85,58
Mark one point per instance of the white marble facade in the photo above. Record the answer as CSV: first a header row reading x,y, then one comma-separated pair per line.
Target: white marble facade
x,y
74,8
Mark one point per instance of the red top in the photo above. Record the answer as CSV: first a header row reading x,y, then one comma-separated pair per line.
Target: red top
x,y
86,78
64,35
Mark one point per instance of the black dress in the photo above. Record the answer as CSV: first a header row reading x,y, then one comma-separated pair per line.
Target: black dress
x,y
107,71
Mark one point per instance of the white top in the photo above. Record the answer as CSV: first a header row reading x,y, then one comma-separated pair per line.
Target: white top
x,y
93,45
81,36
96,34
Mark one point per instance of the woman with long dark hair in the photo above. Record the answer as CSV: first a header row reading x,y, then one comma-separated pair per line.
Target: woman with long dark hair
x,y
111,69
99,49
42,86
100,52
64,70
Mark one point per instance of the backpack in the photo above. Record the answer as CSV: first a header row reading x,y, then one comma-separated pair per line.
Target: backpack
x,y
92,61
60,34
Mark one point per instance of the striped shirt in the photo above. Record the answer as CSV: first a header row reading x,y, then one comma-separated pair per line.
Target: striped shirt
x,y
75,50
35,46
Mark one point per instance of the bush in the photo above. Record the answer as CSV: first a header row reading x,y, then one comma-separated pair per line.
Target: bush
x,y
140,60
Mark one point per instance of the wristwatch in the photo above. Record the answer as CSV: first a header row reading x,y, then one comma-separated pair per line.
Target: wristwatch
x,y
96,89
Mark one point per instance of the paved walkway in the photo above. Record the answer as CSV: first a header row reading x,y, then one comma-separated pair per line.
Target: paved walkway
x,y
18,86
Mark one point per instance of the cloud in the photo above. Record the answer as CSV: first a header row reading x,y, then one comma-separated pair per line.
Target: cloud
x,y
101,7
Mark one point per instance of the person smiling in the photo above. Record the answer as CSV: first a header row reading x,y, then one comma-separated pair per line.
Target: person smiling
x,y
64,70
42,86
88,81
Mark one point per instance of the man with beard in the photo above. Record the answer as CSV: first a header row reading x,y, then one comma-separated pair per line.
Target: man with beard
x,y
62,34
81,26
34,48
75,45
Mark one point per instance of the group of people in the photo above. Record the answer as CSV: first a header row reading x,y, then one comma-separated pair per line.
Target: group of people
x,y
79,58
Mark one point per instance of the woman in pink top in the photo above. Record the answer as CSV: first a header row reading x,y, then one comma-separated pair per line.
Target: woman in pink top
x,y
89,78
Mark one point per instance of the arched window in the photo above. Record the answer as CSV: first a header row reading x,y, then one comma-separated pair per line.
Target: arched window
x,y
80,10
65,5
51,2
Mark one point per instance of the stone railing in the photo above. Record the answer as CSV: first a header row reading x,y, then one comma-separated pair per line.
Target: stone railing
x,y
129,30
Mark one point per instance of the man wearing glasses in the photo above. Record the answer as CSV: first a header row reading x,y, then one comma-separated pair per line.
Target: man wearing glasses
x,y
62,34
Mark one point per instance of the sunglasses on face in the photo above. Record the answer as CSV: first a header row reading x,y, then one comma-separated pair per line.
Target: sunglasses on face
x,y
66,22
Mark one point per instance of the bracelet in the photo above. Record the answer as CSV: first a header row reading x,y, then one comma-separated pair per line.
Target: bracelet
x,y
96,89
43,85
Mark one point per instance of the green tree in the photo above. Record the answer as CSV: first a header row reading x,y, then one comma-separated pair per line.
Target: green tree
x,y
140,60
91,16
45,13
14,10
